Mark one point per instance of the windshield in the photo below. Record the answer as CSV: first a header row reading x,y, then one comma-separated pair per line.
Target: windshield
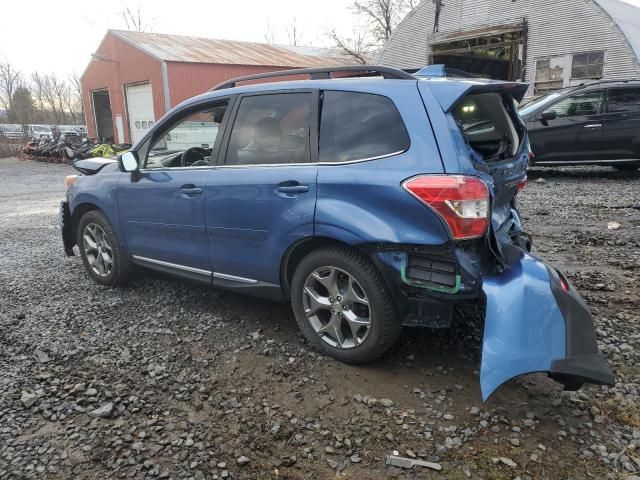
x,y
538,102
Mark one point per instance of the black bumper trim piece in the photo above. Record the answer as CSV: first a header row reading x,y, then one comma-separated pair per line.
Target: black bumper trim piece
x,y
67,228
587,368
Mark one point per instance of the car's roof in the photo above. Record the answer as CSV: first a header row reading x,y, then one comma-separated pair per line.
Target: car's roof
x,y
377,85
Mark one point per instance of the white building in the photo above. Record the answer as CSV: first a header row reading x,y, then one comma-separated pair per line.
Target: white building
x,y
548,43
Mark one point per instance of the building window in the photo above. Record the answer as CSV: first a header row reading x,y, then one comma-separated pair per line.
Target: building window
x,y
587,65
549,75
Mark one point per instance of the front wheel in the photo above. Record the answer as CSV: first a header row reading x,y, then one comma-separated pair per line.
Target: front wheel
x,y
343,306
104,259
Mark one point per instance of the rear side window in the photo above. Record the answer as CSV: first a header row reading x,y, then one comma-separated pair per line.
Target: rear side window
x,y
359,126
624,100
271,129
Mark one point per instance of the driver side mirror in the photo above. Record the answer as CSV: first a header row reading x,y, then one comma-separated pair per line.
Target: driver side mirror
x,y
129,162
548,115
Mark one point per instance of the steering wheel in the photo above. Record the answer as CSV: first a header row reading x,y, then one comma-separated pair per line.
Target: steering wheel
x,y
185,155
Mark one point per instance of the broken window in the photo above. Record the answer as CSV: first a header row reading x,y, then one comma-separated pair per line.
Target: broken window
x,y
587,65
488,125
549,74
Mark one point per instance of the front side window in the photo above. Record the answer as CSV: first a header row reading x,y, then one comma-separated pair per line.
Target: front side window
x,y
589,103
271,129
190,142
587,65
624,100
360,126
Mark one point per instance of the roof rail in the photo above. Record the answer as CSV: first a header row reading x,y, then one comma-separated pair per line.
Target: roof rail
x,y
322,73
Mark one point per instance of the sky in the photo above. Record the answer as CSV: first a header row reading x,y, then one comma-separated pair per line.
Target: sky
x,y
59,37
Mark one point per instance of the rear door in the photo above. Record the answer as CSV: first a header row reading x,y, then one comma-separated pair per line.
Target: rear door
x,y
622,124
262,198
575,134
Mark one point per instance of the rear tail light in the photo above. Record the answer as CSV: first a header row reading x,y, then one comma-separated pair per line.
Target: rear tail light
x,y
462,201
522,184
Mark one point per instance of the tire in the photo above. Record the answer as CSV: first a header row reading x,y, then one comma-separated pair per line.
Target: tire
x,y
356,278
97,227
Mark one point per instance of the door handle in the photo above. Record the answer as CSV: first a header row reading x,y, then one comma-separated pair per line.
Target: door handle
x,y
191,190
593,125
293,189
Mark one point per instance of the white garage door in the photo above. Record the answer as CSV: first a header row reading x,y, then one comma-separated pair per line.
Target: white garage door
x,y
139,109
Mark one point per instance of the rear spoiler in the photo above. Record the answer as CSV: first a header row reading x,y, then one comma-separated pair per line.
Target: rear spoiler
x,y
447,92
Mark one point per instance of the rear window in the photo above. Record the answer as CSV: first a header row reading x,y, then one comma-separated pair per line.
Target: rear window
x,y
488,125
360,126
624,100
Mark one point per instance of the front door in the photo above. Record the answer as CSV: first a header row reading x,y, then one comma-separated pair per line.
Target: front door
x,y
575,134
262,197
162,208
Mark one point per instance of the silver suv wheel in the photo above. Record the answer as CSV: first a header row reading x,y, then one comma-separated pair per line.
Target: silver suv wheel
x,y
97,249
337,307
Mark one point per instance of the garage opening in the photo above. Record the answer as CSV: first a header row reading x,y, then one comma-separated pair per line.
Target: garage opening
x,y
496,52
102,115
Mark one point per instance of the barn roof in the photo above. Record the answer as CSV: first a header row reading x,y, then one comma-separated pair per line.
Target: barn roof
x,y
179,48
627,17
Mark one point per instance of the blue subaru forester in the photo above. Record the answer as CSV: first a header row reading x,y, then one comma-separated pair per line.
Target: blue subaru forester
x,y
368,197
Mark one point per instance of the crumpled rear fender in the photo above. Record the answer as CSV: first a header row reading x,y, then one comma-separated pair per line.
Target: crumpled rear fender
x,y
537,322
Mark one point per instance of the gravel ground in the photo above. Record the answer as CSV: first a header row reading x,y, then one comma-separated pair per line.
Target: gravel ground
x,y
167,379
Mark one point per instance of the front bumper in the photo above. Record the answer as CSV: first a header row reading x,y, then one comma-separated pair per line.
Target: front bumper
x,y
533,324
66,227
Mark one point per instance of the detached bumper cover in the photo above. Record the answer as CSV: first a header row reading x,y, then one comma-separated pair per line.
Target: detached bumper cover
x,y
64,220
533,325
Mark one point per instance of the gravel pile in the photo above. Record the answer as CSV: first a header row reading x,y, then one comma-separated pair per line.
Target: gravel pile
x,y
168,379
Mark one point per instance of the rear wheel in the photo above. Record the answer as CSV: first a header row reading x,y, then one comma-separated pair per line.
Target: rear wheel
x,y
103,257
343,306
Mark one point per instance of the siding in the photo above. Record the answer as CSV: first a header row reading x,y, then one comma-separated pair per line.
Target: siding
x,y
555,28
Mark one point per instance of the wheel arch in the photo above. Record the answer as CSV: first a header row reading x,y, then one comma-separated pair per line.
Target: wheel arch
x,y
77,214
296,252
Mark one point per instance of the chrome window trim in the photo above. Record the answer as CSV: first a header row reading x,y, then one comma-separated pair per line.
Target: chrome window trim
x,y
305,164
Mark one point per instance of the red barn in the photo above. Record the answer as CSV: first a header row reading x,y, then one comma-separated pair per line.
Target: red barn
x,y
134,78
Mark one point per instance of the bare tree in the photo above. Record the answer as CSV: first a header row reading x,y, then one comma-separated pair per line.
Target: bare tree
x,y
10,80
379,19
382,16
356,46
270,33
133,20
292,33
76,95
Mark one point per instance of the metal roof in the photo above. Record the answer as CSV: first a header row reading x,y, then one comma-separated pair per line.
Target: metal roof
x,y
627,17
179,48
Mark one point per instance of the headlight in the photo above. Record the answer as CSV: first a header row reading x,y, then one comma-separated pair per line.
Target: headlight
x,y
69,180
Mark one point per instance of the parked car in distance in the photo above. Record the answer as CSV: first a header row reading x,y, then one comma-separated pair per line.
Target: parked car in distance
x,y
75,130
40,131
366,203
593,124
10,130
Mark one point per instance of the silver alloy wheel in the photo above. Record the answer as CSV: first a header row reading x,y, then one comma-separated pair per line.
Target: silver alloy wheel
x,y
97,249
337,307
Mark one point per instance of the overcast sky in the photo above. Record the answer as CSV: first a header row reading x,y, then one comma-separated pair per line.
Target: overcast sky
x,y
59,37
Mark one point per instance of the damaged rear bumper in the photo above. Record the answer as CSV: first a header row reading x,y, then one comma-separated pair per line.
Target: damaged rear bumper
x,y
537,322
